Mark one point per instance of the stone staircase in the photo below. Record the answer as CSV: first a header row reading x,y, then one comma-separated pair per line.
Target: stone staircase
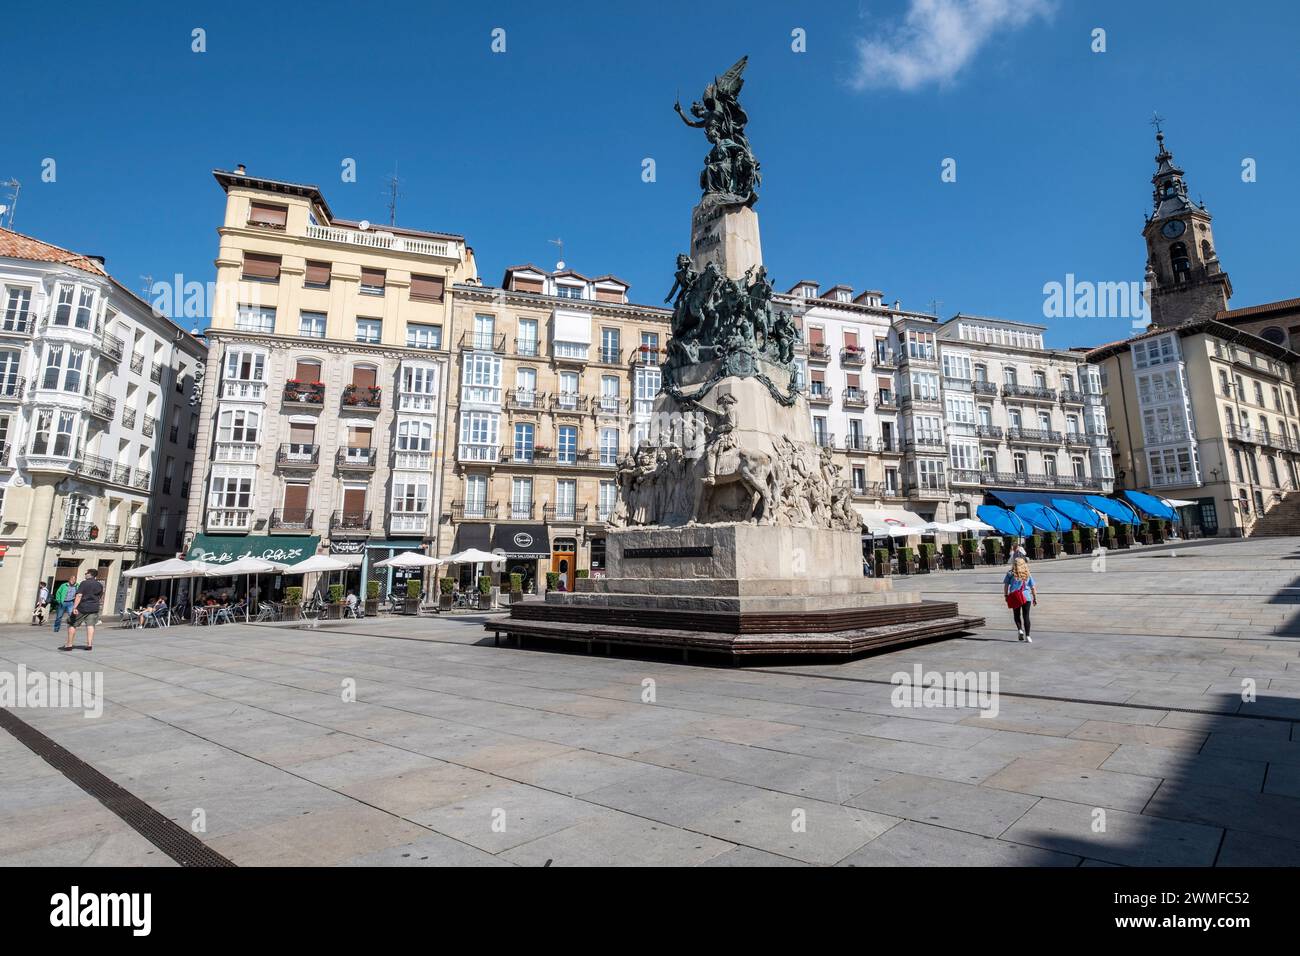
x,y
1282,520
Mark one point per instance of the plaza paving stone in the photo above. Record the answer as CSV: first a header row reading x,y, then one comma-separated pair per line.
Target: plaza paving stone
x,y
455,752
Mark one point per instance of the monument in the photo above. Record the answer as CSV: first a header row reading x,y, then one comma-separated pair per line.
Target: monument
x,y
734,531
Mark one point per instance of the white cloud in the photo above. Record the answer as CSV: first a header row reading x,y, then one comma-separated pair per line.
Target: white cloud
x,y
937,39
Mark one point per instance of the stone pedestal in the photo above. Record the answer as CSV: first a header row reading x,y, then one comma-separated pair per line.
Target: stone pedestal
x,y
726,235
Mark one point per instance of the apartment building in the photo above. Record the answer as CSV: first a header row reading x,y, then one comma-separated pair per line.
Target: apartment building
x,y
1204,412
97,425
325,397
1018,415
557,377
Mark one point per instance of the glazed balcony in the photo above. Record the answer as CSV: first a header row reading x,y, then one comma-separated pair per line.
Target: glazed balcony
x,y
958,384
412,460
291,519
309,394
853,355
243,390
408,522
419,402
930,443
1036,393
358,458
965,476
239,451
298,456
350,522
367,398
229,519
468,451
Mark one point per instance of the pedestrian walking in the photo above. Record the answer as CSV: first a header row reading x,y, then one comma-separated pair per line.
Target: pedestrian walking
x,y
1018,588
42,602
64,595
1018,551
85,610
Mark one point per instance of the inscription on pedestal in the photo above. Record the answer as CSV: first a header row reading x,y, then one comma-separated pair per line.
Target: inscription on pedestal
x,y
701,552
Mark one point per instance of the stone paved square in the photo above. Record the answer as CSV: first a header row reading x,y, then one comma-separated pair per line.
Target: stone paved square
x,y
1128,706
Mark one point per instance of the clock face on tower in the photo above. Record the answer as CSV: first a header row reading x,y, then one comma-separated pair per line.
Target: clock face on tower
x,y
1172,229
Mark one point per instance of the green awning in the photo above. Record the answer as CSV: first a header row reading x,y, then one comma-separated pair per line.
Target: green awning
x,y
223,549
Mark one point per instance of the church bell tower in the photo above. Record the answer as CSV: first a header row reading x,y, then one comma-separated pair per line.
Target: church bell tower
x,y
1187,282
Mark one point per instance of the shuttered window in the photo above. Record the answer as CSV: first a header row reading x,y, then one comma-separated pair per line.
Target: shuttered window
x,y
818,375
851,380
265,214
318,275
363,376
307,371
850,338
426,287
372,281
261,267
816,335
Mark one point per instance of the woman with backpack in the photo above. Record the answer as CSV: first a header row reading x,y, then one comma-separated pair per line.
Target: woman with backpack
x,y
1018,588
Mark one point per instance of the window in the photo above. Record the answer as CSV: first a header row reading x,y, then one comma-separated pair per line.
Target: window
x,y
566,451
1080,470
418,388
261,268
1009,375
1154,352
929,473
526,337
608,393
650,348
989,460
64,369
231,491
75,306
568,291
609,446
1019,463
475,496
246,366
1049,465
525,386
311,325
1044,421
415,436
1040,379
369,330
423,336
56,433
17,309
317,276
859,480
566,498
481,378
920,345
478,436
606,499
237,425
521,498
609,345
426,288
484,339
410,496
1259,394
523,442
568,389
255,318
268,216
372,281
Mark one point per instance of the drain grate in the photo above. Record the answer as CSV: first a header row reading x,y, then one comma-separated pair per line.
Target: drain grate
x,y
177,842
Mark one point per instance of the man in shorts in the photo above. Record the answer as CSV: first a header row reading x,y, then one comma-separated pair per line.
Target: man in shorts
x,y
85,610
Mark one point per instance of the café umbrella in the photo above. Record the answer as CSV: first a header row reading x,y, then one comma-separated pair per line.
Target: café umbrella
x,y
169,570
316,564
247,566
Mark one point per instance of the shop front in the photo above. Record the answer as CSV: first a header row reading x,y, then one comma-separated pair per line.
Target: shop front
x,y
391,580
225,549
523,545
564,561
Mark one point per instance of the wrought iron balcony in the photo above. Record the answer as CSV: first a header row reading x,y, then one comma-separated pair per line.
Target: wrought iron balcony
x,y
111,346
11,388
356,522
886,401
820,396
575,513
291,519
858,443
527,348
298,455
1040,436
155,373
824,439
884,358
475,510
819,352
79,530
645,355
853,398
609,356
521,510
134,537
1035,392
526,399
137,362
1070,396
148,426
608,405
367,397
304,393
569,402
981,387
121,474
17,323
989,431
354,458
141,479
1077,439
853,355
103,407
482,342
112,534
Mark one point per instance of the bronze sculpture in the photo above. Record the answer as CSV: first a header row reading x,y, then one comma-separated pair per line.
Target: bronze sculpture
x,y
731,172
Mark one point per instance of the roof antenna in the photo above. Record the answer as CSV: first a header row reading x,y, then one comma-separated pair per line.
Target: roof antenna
x,y
7,209
558,242
394,193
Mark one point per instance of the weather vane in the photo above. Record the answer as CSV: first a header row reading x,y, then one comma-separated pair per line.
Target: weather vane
x,y
1156,121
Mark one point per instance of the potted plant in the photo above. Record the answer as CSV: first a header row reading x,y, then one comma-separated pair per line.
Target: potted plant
x,y
1034,546
1072,541
881,562
992,550
951,556
580,574
1052,545
413,590
292,602
1124,535
516,587
335,610
372,598
1157,528
552,580
485,592
969,552
926,564
445,588
906,559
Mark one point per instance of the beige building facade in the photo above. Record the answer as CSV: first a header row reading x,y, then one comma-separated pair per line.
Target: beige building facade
x,y
324,398
556,373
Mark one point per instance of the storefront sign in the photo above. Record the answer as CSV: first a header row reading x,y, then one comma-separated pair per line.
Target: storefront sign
x,y
286,549
348,547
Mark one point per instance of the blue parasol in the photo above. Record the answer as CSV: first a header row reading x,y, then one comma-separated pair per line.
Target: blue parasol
x,y
1079,513
1042,517
1114,509
1006,522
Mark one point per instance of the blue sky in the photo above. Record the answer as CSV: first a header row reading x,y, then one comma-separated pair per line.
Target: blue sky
x,y
1052,142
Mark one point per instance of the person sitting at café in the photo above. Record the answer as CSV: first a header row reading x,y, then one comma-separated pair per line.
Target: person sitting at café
x,y
152,612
